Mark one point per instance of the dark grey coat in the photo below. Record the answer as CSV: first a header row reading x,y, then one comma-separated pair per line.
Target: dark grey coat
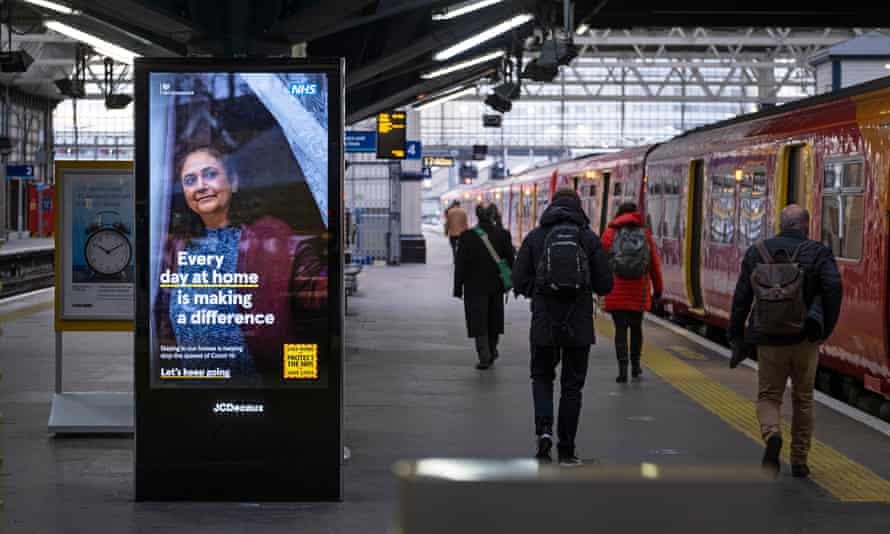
x,y
548,310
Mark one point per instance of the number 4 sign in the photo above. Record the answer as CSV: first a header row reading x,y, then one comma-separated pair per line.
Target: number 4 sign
x,y
413,150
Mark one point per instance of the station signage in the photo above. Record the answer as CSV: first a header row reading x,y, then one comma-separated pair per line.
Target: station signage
x,y
413,150
23,172
239,322
438,161
391,135
358,141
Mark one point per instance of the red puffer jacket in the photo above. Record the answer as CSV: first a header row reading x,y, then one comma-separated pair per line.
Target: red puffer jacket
x,y
633,295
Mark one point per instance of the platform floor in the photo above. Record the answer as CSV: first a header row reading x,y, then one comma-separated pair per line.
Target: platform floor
x,y
412,392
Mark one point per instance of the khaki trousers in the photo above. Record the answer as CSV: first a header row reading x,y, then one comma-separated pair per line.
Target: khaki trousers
x,y
775,365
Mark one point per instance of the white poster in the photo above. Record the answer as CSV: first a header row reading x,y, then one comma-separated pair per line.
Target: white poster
x,y
96,242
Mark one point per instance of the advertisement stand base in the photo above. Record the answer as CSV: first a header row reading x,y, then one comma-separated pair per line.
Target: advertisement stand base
x,y
91,413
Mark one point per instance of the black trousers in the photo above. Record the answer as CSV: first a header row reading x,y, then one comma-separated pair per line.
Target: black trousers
x,y
572,376
624,321
453,240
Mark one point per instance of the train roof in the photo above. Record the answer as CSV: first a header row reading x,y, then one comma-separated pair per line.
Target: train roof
x,y
797,105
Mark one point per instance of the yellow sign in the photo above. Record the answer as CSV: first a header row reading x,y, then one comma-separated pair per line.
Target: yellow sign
x,y
300,361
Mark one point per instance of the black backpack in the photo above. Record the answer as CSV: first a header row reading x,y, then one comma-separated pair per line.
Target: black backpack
x,y
563,269
629,254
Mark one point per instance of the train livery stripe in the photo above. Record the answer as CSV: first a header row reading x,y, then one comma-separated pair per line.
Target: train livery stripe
x,y
845,479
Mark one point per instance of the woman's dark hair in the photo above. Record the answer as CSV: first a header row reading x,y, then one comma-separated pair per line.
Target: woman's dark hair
x,y
627,207
186,223
487,212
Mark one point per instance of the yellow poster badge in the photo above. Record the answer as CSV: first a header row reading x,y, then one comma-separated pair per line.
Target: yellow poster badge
x,y
300,361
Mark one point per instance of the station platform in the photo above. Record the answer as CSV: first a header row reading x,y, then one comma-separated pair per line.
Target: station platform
x,y
412,392
28,245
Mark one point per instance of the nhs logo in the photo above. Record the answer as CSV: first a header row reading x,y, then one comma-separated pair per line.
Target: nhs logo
x,y
303,88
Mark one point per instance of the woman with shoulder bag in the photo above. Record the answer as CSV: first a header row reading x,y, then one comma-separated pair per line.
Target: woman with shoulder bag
x,y
482,277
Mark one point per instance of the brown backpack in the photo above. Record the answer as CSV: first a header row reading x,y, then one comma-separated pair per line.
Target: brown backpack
x,y
779,305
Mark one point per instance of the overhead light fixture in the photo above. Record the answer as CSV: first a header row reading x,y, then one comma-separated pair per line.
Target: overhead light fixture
x,y
456,10
462,65
54,6
554,52
480,38
71,88
502,96
445,97
582,29
117,101
100,45
17,61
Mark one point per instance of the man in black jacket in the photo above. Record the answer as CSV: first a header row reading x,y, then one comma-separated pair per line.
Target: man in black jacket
x,y
561,329
794,356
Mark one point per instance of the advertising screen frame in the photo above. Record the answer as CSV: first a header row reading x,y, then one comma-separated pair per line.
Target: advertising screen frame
x,y
239,443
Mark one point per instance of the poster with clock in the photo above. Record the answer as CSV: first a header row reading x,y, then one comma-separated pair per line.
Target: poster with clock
x,y
96,239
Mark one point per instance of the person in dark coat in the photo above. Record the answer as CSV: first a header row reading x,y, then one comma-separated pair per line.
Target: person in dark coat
x,y
791,356
477,281
570,343
631,297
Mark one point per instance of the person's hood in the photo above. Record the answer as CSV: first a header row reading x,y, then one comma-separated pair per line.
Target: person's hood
x,y
634,218
564,209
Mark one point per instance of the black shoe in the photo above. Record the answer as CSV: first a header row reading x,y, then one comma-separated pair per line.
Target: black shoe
x,y
635,369
622,372
770,462
545,443
494,355
483,366
800,470
570,460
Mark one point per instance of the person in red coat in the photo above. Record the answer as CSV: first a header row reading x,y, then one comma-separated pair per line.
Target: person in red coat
x,y
631,297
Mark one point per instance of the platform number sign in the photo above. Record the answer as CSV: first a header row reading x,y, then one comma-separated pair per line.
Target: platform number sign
x,y
413,150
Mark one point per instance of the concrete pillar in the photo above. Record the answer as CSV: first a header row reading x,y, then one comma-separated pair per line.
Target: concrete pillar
x,y
413,244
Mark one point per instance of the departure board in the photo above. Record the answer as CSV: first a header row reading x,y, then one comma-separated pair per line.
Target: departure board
x,y
391,135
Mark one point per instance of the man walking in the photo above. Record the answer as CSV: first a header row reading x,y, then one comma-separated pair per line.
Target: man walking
x,y
455,224
559,265
795,289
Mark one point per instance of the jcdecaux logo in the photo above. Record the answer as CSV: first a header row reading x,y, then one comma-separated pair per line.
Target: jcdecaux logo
x,y
237,408
303,88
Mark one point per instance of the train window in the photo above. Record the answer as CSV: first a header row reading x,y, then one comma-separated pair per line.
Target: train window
x,y
655,206
671,190
752,207
630,192
543,198
722,217
843,206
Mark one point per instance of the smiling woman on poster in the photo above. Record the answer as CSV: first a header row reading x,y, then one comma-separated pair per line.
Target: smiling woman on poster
x,y
218,229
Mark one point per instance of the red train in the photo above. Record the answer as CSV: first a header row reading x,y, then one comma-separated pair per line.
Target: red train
x,y
711,192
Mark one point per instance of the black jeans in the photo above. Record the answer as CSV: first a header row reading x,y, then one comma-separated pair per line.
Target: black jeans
x,y
572,377
453,240
625,320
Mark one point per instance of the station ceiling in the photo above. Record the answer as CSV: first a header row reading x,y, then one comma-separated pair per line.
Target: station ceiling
x,y
388,44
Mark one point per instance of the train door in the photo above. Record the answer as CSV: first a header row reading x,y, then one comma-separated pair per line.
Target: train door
x,y
604,204
796,189
793,181
694,213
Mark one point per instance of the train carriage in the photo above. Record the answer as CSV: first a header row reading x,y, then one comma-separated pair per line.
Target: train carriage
x,y
711,193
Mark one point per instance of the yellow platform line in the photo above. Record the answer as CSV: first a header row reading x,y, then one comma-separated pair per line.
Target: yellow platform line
x,y
25,311
845,479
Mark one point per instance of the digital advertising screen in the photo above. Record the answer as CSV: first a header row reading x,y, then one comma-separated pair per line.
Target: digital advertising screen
x,y
239,236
